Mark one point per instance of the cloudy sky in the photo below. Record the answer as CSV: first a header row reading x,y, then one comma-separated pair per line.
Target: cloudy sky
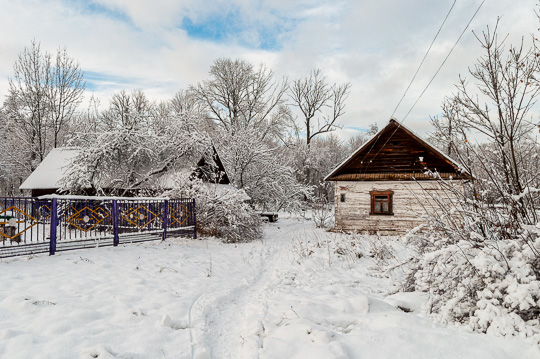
x,y
163,46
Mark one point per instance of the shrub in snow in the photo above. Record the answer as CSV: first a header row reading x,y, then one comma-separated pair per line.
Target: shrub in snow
x,y
323,213
346,249
491,287
480,259
480,263
222,210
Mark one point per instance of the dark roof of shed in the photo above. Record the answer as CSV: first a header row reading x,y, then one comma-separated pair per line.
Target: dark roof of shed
x,y
396,153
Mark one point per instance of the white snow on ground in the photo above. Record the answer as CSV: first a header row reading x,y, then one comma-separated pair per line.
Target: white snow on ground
x,y
299,293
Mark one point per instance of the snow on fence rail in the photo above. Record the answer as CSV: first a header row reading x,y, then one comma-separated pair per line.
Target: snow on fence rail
x,y
58,223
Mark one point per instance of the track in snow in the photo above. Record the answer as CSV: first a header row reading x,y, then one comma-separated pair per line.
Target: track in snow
x,y
234,319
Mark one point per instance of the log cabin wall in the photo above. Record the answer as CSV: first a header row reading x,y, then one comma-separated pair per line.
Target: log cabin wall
x,y
411,200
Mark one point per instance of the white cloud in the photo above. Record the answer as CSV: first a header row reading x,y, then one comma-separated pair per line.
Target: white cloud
x,y
376,46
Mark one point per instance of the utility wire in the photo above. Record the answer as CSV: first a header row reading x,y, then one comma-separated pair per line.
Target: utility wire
x,y
424,59
444,61
417,70
429,83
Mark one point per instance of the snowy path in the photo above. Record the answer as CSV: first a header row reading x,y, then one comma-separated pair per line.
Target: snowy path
x,y
300,293
234,321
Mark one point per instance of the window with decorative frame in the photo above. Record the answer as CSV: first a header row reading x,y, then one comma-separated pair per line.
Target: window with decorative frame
x,y
382,202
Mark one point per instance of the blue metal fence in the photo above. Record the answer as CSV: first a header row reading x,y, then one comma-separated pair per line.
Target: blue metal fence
x,y
58,223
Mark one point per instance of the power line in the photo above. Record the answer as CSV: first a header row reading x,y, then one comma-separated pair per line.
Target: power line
x,y
444,61
429,83
424,59
417,70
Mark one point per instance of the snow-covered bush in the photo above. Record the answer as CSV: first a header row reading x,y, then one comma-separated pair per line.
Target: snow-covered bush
x,y
323,213
489,286
480,263
222,210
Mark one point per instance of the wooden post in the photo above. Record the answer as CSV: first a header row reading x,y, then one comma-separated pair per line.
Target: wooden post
x,y
165,215
194,219
54,223
116,239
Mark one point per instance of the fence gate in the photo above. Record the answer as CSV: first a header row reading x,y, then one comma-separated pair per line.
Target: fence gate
x,y
58,223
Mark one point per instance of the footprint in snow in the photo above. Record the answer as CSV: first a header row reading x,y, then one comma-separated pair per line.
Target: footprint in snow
x,y
41,303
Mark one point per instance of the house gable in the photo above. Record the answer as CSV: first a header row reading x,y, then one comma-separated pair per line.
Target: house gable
x,y
396,153
212,170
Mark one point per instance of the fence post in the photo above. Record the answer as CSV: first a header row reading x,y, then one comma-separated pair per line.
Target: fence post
x,y
165,215
54,223
116,240
194,220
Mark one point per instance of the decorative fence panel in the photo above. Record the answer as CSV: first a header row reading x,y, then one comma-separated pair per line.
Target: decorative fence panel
x,y
50,224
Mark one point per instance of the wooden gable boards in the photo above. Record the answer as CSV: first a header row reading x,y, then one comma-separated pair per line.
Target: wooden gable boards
x,y
396,153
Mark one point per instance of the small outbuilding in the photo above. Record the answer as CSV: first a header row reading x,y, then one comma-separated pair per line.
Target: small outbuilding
x,y
388,184
46,178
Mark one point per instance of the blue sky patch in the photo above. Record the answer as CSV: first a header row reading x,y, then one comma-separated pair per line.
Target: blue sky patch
x,y
212,28
95,8
99,81
231,26
359,129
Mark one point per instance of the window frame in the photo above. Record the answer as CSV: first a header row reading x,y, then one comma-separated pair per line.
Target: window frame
x,y
390,200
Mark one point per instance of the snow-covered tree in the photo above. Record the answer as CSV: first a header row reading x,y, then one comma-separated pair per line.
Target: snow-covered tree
x,y
312,164
262,171
246,106
238,96
43,98
136,143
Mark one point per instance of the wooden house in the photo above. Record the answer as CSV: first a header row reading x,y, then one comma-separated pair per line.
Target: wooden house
x,y
387,185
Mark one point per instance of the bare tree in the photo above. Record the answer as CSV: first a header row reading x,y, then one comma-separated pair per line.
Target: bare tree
x,y
128,110
499,106
240,97
42,100
508,90
356,141
185,101
65,93
313,95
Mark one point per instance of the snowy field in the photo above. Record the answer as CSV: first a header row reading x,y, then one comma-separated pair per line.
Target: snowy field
x,y
299,293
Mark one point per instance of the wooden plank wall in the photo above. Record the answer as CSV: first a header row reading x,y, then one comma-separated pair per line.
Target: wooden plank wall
x,y
411,200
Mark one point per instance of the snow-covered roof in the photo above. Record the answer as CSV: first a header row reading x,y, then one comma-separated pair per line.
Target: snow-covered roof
x,y
49,172
226,190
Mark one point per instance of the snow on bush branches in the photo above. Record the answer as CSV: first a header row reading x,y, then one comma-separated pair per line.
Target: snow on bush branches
x,y
491,287
222,210
480,273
